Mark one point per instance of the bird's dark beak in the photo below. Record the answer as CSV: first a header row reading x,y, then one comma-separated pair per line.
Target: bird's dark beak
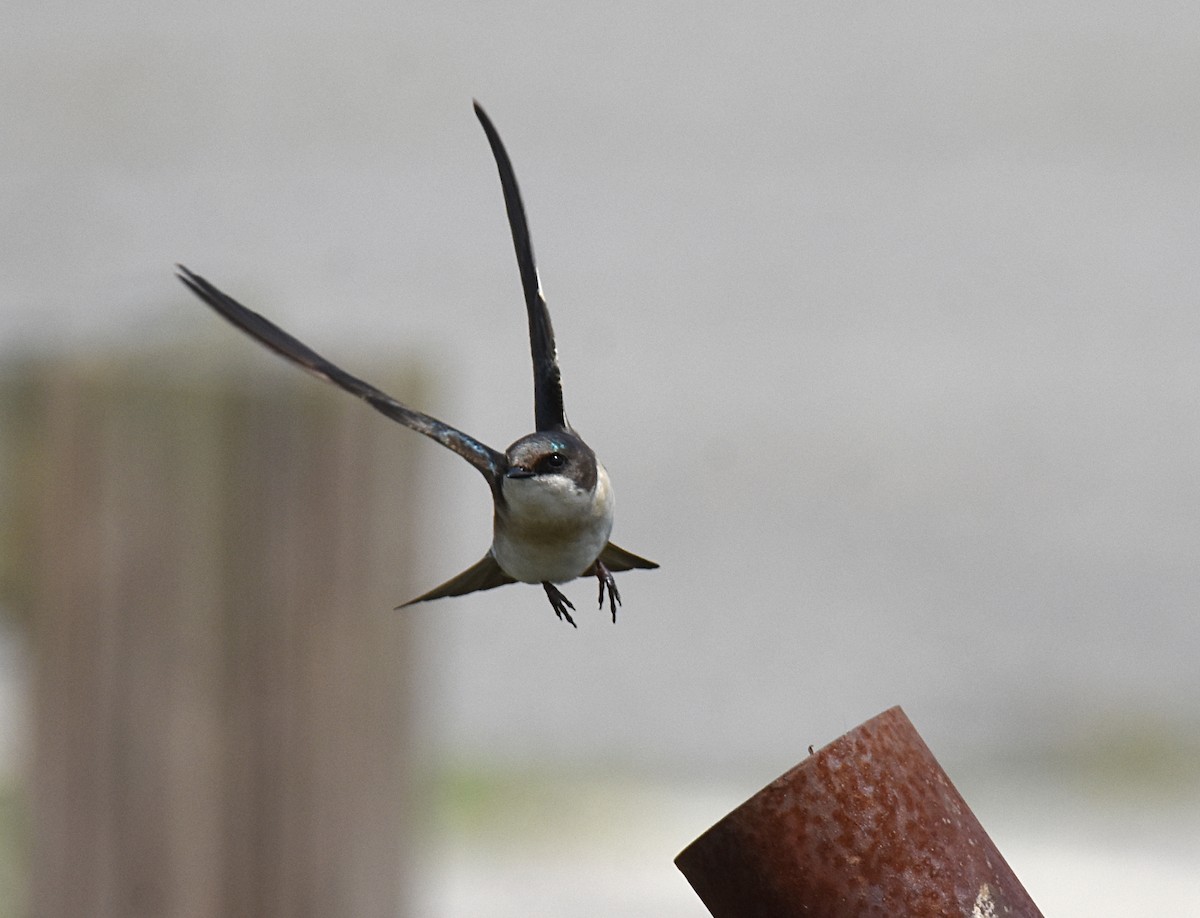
x,y
518,471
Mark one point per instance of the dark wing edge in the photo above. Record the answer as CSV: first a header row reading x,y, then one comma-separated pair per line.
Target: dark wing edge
x,y
483,575
616,558
548,411
487,460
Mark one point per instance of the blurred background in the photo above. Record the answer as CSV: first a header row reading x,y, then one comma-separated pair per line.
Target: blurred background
x,y
882,320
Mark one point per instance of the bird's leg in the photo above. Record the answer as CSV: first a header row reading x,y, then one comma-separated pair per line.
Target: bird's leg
x,y
604,575
558,602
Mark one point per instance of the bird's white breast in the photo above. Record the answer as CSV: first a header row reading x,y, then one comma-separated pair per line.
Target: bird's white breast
x,y
550,529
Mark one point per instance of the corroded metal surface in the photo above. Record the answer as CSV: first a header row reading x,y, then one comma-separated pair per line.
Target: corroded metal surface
x,y
868,826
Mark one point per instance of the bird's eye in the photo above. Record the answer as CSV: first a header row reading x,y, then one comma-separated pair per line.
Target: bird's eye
x,y
556,460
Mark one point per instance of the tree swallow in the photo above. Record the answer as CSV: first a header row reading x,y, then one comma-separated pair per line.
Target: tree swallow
x,y
552,498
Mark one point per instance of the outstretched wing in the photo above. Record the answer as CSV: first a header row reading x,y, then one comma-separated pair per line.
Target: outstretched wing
x,y
483,575
490,462
548,410
616,558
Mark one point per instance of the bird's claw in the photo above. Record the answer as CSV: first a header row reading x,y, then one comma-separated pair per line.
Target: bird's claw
x,y
604,575
559,603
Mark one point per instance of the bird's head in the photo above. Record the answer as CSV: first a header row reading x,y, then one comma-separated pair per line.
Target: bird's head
x,y
551,457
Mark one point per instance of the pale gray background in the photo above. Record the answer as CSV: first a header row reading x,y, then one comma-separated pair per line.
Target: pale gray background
x,y
883,318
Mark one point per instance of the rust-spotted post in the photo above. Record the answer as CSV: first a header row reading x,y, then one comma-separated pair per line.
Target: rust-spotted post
x,y
868,826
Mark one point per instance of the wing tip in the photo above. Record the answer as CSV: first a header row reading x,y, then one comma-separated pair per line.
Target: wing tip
x,y
484,118
186,277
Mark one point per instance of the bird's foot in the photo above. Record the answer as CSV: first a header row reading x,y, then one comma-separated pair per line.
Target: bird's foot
x,y
604,575
559,603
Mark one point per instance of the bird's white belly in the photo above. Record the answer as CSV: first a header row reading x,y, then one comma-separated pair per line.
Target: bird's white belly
x,y
550,530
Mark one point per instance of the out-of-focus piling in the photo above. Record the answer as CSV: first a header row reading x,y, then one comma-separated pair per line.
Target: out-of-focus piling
x,y
222,694
869,825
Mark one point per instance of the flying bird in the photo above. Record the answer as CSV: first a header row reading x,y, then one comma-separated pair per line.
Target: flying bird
x,y
553,503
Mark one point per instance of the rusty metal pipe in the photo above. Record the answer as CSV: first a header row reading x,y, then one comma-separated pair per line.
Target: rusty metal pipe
x,y
868,826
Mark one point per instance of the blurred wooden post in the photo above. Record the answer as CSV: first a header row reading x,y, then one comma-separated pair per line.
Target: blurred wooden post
x,y
221,686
